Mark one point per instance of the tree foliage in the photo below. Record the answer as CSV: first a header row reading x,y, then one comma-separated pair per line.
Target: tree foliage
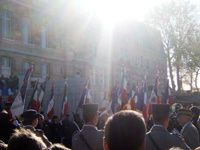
x,y
177,22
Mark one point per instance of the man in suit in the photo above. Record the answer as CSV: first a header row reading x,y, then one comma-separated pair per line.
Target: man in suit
x,y
158,138
189,131
89,138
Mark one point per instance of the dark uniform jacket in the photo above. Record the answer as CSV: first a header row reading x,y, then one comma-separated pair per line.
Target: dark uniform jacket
x,y
191,135
91,135
158,138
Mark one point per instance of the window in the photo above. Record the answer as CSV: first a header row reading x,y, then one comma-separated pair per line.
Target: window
x,y
51,38
43,37
25,30
5,23
5,66
44,70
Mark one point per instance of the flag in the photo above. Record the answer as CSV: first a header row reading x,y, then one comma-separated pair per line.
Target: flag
x,y
50,108
145,105
10,96
34,101
1,99
167,95
154,98
65,106
17,106
86,96
124,92
134,97
114,99
41,94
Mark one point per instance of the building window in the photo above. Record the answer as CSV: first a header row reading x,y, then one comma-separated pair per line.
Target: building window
x,y
44,70
34,33
51,38
25,30
6,66
5,23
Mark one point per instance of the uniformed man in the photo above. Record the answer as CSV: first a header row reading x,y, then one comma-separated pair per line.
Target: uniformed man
x,y
89,138
30,121
189,131
158,138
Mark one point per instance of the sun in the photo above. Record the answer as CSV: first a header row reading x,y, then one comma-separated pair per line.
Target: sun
x,y
111,12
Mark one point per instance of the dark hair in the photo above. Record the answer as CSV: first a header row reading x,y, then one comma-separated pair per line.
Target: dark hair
x,y
27,122
58,146
89,116
125,131
3,146
24,139
160,118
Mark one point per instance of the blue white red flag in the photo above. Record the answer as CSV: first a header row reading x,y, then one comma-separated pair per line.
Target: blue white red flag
x,y
65,105
114,99
124,91
17,106
145,105
86,95
168,99
50,108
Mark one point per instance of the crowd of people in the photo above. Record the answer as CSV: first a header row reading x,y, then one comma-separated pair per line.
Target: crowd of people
x,y
95,130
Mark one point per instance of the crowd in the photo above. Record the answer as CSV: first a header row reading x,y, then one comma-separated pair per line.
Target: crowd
x,y
124,130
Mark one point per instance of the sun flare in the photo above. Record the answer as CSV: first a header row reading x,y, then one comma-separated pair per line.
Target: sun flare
x,y
110,12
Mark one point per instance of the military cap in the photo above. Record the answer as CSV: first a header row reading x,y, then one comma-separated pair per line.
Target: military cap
x,y
160,109
30,114
184,112
90,108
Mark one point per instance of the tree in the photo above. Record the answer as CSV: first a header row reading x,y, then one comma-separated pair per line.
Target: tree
x,y
193,57
177,24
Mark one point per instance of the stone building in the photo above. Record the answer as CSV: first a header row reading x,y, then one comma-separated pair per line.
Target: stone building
x,y
26,38
138,47
33,32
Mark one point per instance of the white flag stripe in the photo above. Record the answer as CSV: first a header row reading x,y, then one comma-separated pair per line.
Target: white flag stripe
x,y
65,103
35,97
17,107
50,106
41,96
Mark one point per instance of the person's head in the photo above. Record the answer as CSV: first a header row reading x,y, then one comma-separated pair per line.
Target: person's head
x,y
90,113
178,107
58,146
4,117
23,139
175,148
30,117
55,119
124,130
161,114
184,116
195,113
3,146
198,148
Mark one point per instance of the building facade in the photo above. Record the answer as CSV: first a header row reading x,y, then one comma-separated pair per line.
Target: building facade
x,y
30,34
26,39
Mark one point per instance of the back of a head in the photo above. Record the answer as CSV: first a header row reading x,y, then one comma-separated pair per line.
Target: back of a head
x,y
160,113
24,139
3,146
89,112
58,147
125,131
